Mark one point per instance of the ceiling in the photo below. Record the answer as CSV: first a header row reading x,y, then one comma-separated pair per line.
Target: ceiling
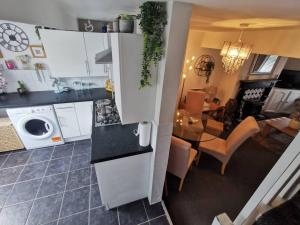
x,y
207,14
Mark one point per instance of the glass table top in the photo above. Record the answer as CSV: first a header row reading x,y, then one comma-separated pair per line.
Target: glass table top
x,y
187,126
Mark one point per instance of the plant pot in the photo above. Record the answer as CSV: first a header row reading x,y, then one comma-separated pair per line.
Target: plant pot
x,y
126,26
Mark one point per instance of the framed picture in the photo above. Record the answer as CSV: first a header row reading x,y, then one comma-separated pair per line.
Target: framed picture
x,y
37,51
1,55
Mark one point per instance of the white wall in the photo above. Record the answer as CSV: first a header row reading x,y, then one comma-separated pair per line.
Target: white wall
x,y
283,42
197,45
49,13
29,77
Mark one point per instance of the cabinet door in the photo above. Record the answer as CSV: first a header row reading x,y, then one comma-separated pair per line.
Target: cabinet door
x,y
65,52
275,100
95,43
67,119
288,104
84,112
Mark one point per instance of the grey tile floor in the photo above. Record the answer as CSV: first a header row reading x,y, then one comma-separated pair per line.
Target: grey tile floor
x,y
58,186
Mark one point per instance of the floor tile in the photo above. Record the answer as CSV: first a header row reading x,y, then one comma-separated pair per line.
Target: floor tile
x,y
41,154
58,166
77,219
75,201
4,193
93,176
82,147
80,161
62,151
95,196
159,221
10,175
24,191
103,216
16,214
154,210
33,171
132,213
17,159
53,184
45,210
2,159
78,178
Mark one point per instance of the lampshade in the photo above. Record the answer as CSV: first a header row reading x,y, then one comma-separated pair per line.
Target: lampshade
x,y
234,55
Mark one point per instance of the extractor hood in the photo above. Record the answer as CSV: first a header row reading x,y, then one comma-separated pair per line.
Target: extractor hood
x,y
104,57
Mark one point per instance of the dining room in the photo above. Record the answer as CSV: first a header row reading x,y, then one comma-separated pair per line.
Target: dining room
x,y
220,150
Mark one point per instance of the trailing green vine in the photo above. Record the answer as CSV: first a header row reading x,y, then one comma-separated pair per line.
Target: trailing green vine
x,y
153,19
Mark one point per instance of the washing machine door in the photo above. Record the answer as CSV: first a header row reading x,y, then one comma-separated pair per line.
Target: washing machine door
x,y
36,127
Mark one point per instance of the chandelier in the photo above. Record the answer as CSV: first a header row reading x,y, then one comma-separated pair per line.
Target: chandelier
x,y
235,54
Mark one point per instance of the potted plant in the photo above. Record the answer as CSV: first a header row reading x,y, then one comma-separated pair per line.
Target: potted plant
x,y
126,23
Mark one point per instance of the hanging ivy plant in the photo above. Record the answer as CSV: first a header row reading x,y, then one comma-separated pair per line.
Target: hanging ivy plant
x,y
153,19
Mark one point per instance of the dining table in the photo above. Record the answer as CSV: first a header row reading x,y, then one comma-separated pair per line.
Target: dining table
x,y
189,127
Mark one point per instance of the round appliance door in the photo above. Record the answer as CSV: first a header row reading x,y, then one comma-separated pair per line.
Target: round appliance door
x,y
36,127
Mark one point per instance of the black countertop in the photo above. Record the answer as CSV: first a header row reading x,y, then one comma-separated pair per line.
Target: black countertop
x,y
39,98
108,142
115,141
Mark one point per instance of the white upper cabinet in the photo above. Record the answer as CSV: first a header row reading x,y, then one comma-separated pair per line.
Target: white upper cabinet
x,y
134,104
72,54
95,43
65,52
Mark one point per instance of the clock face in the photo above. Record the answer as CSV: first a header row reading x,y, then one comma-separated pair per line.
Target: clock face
x,y
13,38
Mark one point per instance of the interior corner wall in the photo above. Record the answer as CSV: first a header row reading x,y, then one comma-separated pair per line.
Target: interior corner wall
x,y
46,13
169,72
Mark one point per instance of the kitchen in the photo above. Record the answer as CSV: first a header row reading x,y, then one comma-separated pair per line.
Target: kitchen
x,y
71,105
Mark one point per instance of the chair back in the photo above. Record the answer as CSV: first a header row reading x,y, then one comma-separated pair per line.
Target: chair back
x,y
195,101
179,157
247,128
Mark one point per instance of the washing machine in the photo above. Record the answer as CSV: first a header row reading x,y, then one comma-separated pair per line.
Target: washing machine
x,y
36,126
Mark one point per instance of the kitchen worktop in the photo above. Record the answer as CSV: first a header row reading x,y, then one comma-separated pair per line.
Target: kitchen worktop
x,y
114,142
39,98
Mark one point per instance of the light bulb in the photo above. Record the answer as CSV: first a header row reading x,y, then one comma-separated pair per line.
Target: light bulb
x,y
193,57
190,68
187,61
184,76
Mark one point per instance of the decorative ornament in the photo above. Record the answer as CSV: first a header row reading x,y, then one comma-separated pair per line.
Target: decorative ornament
x,y
13,38
235,54
204,66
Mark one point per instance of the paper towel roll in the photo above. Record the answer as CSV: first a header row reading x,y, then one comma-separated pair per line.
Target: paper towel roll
x,y
144,130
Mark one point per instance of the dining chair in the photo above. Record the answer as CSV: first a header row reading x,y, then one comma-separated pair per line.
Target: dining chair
x,y
181,157
195,101
223,149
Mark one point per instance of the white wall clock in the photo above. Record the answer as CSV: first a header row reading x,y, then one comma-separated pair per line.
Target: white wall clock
x,y
13,38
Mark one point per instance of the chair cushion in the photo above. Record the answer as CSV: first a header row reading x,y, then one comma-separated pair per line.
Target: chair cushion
x,y
212,143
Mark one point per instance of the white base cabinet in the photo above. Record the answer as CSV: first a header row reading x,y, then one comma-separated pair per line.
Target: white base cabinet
x,y
281,100
75,120
123,180
134,104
